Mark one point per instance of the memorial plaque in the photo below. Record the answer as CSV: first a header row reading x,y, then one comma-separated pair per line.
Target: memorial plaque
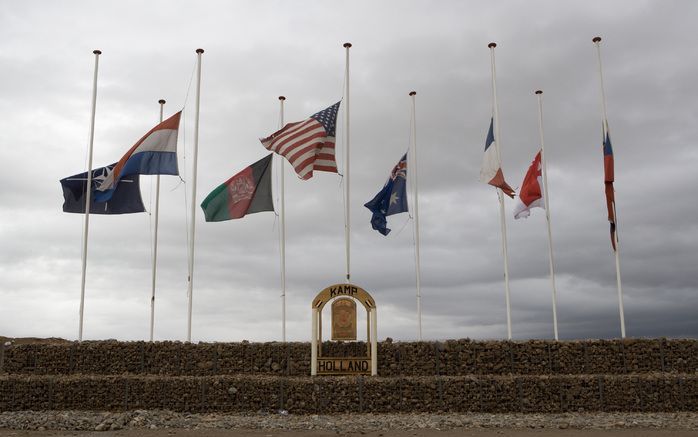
x,y
344,319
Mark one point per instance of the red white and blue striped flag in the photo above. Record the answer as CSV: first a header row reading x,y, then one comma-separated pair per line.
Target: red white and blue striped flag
x,y
491,171
309,144
155,153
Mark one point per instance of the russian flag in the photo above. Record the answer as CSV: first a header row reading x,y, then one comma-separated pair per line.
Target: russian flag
x,y
154,153
531,193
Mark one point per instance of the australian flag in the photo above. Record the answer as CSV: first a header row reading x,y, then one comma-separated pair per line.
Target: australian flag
x,y
125,200
392,199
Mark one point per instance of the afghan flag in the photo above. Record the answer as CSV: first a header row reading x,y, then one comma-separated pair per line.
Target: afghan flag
x,y
245,193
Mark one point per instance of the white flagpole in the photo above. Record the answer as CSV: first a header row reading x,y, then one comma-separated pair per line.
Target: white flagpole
x,y
597,41
155,239
502,214
282,230
347,201
416,212
543,160
192,228
88,192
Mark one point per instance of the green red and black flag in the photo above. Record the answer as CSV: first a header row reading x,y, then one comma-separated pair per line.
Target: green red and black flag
x,y
245,193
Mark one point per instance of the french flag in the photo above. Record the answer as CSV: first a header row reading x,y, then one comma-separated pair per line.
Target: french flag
x,y
491,171
531,193
155,153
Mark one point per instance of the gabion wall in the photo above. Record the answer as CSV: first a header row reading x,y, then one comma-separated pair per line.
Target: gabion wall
x,y
354,394
449,358
456,375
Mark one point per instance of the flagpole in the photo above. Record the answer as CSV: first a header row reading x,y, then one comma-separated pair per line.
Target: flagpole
x,y
597,41
88,192
499,190
416,212
544,163
282,230
155,239
192,228
347,202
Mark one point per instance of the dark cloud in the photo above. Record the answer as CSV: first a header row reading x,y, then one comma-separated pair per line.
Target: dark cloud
x,y
256,52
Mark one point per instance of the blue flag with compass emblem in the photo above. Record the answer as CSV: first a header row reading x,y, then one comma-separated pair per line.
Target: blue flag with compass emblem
x,y
125,200
392,199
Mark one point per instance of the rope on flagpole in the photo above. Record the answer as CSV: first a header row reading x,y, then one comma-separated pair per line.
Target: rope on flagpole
x,y
544,165
154,245
502,213
597,42
88,194
347,186
416,213
192,223
282,229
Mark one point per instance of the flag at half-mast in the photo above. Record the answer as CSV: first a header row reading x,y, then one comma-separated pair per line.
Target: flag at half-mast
x,y
245,193
391,199
608,180
154,153
491,171
309,144
531,192
125,200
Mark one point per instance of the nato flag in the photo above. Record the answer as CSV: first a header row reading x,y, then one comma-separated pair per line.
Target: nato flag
x,y
126,198
392,199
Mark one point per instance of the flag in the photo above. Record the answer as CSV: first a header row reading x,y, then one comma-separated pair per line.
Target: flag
x,y
155,153
531,192
308,145
392,199
608,182
245,193
491,172
126,198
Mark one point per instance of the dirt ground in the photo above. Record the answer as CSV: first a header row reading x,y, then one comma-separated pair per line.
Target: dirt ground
x,y
496,432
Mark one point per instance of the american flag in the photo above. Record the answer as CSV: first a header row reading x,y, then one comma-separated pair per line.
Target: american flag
x,y
309,144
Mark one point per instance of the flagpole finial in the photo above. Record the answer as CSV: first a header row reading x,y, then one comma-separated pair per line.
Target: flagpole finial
x,y
413,93
97,52
347,45
162,101
539,92
199,51
597,39
492,45
282,98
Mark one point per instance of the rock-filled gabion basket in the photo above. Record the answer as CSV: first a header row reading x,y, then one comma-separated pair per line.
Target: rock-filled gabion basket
x,y
448,358
635,375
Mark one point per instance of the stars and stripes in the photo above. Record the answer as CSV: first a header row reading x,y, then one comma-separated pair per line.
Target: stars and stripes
x,y
308,145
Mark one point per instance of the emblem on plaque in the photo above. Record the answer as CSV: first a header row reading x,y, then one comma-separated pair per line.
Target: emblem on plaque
x,y
344,319
343,299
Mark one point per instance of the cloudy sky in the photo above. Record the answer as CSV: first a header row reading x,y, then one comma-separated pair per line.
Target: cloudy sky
x,y
258,50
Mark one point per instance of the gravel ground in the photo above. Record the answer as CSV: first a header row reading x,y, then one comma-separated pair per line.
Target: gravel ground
x,y
354,423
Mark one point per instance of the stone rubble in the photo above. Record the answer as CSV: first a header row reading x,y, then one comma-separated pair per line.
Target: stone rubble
x,y
157,419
